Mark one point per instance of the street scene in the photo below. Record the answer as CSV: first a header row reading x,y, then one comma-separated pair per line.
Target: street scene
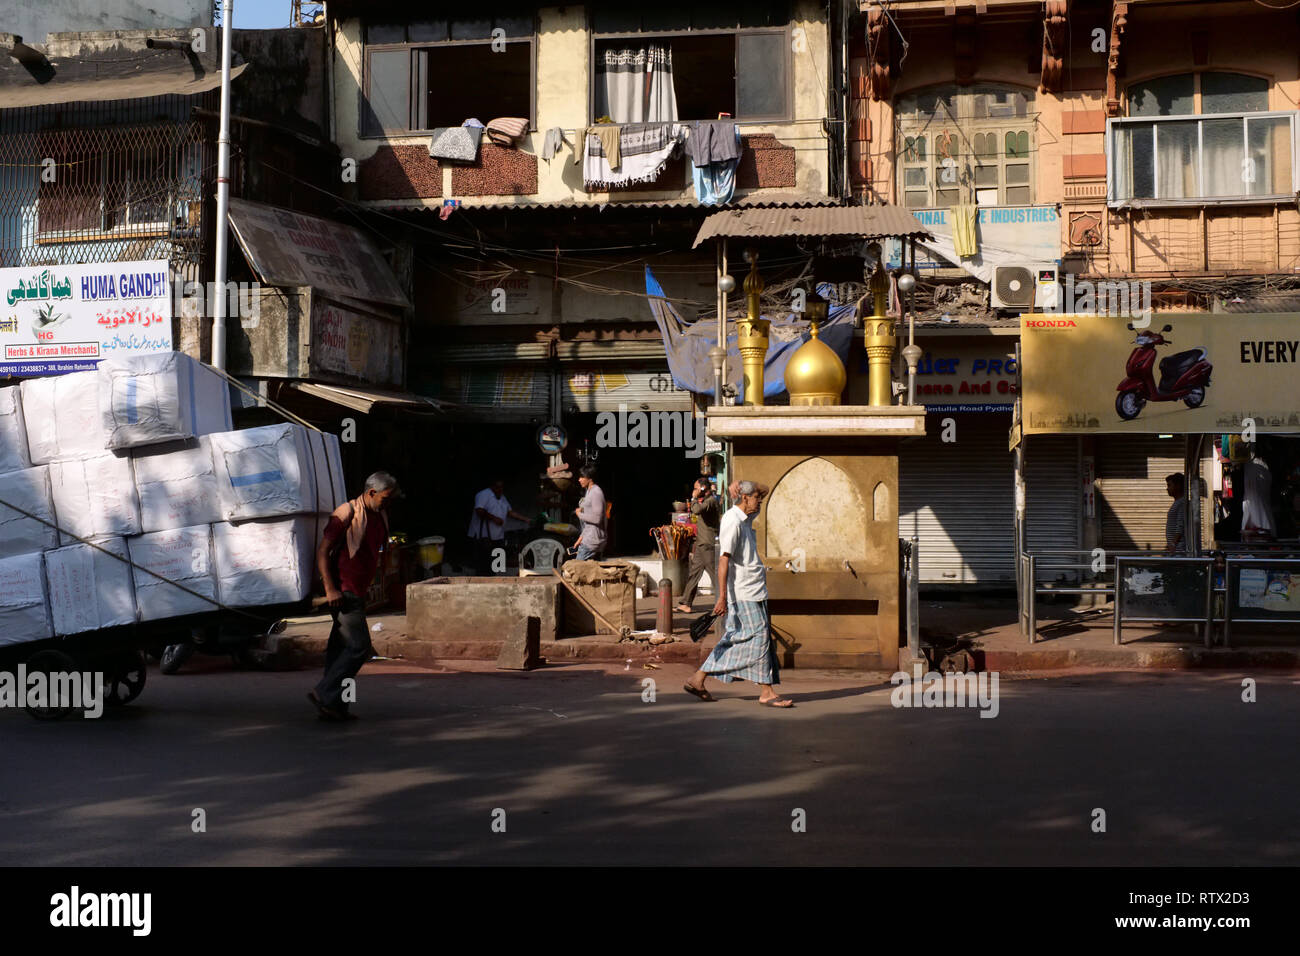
x,y
780,433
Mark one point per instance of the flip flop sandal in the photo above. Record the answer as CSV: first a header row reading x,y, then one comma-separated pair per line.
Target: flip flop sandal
x,y
699,692
777,702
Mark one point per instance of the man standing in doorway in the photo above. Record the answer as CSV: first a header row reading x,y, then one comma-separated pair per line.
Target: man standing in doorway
x,y
591,514
1176,519
745,651
704,555
487,528
347,557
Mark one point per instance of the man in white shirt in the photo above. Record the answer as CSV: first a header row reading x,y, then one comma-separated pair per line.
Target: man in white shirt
x,y
487,528
745,651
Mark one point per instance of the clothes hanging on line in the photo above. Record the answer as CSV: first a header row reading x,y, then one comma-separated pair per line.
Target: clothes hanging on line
x,y
963,231
715,181
455,142
552,143
645,149
506,130
713,141
610,139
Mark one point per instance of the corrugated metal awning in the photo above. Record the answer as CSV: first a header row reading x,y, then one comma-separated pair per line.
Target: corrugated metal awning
x,y
754,200
64,79
365,399
866,222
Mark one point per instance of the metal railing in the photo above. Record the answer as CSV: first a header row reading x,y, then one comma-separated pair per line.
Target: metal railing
x,y
909,552
1031,564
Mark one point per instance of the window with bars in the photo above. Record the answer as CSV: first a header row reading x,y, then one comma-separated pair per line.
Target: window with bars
x,y
972,145
109,186
1194,137
434,73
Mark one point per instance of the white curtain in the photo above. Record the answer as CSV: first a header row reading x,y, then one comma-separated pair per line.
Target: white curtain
x,y
1176,160
638,85
1225,174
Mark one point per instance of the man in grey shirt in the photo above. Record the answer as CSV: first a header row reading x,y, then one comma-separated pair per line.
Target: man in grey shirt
x,y
1176,519
704,555
591,514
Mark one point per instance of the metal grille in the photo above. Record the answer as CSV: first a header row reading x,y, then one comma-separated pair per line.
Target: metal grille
x,y
104,182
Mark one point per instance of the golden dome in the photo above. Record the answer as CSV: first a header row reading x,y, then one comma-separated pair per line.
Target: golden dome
x,y
814,375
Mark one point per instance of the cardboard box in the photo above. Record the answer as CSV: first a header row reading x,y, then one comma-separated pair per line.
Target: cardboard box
x,y
89,590
276,470
14,455
61,413
24,611
267,561
94,497
150,399
183,556
176,484
29,490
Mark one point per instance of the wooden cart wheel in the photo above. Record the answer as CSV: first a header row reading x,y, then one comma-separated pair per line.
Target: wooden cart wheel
x,y
49,662
124,678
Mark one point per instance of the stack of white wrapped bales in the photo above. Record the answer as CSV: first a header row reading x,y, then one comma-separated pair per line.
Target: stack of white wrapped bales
x,y
138,457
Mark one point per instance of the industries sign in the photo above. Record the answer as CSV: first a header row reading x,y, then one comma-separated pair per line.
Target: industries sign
x,y
1179,373
56,319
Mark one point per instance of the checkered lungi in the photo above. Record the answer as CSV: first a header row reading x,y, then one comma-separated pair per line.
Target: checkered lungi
x,y
745,651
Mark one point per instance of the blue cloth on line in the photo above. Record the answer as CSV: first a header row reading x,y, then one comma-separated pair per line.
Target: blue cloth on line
x,y
746,651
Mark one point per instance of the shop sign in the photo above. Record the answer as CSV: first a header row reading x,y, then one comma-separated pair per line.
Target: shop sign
x,y
1008,235
964,380
516,295
290,249
56,319
355,345
1183,373
552,439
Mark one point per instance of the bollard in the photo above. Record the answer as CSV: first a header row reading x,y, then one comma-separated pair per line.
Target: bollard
x,y
664,617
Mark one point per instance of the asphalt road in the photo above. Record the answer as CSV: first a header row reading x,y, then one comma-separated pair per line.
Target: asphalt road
x,y
587,772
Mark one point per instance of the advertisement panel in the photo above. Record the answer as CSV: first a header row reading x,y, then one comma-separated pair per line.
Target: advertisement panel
x,y
1185,372
56,319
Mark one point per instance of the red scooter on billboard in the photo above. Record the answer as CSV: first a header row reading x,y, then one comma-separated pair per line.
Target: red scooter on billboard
x,y
1183,375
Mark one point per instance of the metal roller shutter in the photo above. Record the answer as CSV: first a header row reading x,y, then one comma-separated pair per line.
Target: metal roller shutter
x,y
518,389
958,500
1052,494
1131,473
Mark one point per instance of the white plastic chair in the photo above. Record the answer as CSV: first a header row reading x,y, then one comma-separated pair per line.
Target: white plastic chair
x,y
546,555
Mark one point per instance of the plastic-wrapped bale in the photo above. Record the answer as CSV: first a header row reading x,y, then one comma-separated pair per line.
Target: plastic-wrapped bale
x,y
276,470
88,589
61,413
181,555
94,497
14,455
176,484
29,490
150,399
24,611
267,561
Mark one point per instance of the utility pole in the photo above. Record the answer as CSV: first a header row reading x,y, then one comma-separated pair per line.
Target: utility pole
x,y
223,197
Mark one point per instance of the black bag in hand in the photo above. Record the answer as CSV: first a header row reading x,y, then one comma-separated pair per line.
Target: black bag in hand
x,y
702,625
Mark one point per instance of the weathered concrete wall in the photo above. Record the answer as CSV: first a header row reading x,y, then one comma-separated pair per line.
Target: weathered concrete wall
x,y
285,79
33,20
481,609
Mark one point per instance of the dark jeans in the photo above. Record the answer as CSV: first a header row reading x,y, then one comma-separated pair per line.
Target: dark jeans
x,y
704,557
483,548
348,649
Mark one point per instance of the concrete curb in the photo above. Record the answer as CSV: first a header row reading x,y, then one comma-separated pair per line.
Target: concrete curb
x,y
1121,658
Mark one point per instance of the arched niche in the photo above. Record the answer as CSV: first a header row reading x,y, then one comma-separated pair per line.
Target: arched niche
x,y
816,507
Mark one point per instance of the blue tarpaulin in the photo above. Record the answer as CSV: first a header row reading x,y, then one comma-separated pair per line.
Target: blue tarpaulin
x,y
688,343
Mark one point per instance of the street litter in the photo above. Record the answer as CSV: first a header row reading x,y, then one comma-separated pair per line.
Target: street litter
x,y
377,627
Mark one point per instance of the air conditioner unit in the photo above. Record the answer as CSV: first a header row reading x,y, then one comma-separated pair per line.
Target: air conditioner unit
x,y
1025,287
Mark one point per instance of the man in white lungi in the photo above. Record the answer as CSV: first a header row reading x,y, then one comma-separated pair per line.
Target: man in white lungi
x,y
745,651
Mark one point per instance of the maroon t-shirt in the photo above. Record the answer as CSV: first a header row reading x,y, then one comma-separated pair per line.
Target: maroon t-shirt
x,y
355,572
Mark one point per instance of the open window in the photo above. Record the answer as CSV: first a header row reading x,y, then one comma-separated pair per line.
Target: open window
x,y
420,76
737,62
